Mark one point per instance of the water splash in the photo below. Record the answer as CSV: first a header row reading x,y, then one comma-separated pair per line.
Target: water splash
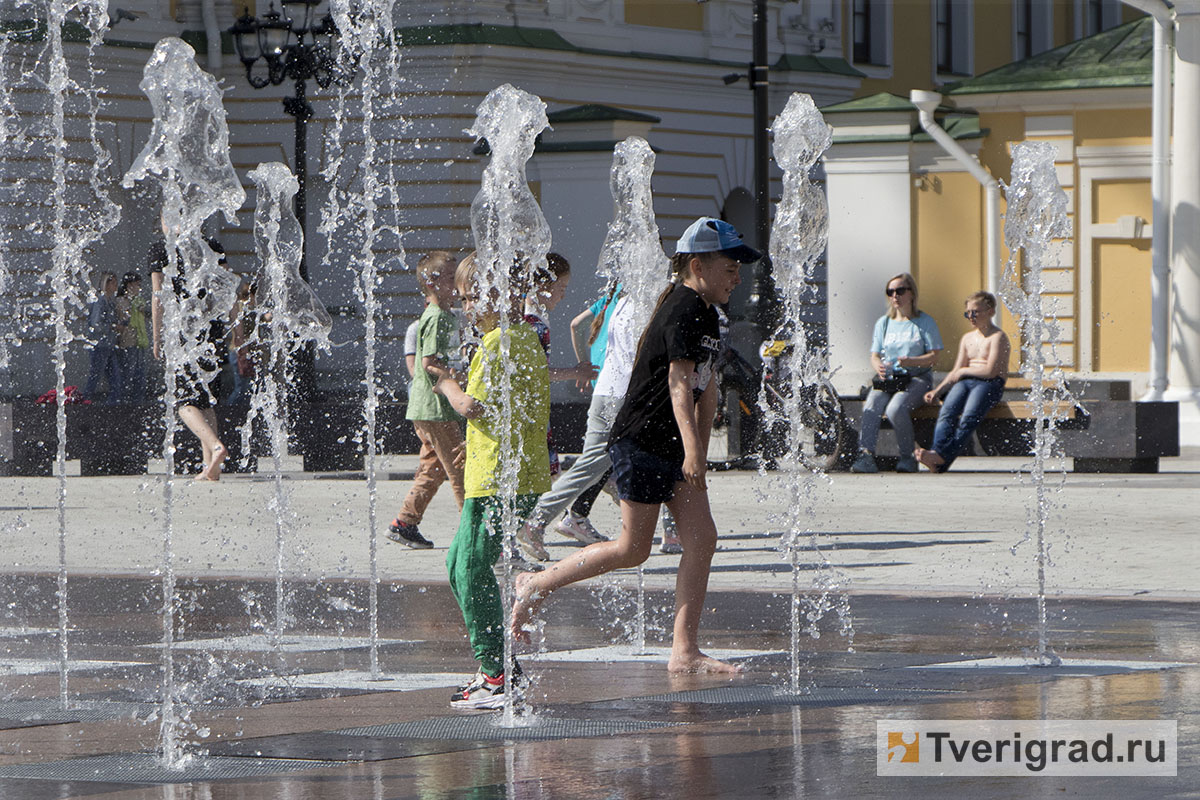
x,y
1036,217
632,256
187,154
366,37
632,253
798,238
289,317
512,239
75,224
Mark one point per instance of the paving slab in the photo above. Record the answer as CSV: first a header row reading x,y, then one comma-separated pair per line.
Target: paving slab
x,y
938,577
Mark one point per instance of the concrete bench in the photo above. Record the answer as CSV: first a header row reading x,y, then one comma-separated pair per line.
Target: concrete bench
x,y
1105,432
120,440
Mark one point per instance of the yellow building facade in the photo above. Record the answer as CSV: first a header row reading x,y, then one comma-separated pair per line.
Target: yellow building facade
x,y
1091,100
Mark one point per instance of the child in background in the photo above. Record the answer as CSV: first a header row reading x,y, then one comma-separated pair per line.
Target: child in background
x,y
659,442
548,293
975,384
479,541
105,326
435,421
133,341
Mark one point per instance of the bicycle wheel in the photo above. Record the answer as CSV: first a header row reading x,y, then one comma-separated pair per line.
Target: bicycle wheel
x,y
823,417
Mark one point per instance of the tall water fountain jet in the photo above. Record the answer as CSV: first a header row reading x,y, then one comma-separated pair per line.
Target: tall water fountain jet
x,y
798,238
73,227
187,154
8,135
1036,217
632,256
365,29
289,318
509,230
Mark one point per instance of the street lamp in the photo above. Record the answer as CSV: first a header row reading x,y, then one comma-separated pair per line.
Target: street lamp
x,y
765,305
294,46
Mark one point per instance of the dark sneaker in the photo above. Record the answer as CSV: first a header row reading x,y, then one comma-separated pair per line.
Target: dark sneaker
x,y
483,692
407,534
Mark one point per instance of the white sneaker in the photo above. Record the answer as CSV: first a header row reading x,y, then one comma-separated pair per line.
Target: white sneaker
x,y
531,538
579,528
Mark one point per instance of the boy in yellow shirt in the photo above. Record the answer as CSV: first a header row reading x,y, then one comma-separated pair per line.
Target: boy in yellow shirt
x,y
479,540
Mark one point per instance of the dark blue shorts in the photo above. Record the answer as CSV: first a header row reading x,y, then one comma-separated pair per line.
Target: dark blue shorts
x,y
643,477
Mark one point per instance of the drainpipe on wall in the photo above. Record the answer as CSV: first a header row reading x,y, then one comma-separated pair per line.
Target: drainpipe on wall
x,y
1160,193
927,103
212,33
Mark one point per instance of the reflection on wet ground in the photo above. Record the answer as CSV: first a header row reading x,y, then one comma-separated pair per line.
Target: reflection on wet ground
x,y
309,721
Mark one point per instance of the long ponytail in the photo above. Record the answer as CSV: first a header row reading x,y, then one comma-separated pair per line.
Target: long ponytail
x,y
679,266
598,320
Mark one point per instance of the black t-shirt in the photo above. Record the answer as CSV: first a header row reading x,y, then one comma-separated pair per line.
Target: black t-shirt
x,y
157,261
683,328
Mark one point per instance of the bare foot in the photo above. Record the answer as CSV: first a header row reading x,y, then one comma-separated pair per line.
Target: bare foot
x,y
929,458
212,472
525,605
698,662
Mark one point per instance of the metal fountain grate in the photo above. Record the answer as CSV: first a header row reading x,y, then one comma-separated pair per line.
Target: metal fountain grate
x,y
774,695
51,711
486,727
144,768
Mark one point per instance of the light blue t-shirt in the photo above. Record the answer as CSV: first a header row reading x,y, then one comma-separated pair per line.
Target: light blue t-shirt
x,y
605,305
896,338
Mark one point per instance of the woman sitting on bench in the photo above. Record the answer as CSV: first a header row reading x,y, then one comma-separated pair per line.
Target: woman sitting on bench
x,y
975,384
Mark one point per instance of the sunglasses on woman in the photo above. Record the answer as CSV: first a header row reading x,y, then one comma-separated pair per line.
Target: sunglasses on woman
x,y
899,290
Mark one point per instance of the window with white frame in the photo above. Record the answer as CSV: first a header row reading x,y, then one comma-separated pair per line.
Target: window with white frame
x,y
870,24
1033,25
952,36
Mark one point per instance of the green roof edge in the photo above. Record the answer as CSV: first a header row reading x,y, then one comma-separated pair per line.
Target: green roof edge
x,y
597,112
546,39
1048,63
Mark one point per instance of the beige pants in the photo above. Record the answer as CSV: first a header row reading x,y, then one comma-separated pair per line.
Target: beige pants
x,y
441,444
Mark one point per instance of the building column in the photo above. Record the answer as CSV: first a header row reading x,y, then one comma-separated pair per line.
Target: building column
x,y
1183,367
870,239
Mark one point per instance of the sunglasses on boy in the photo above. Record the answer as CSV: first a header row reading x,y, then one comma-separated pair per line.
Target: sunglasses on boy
x,y
899,290
972,314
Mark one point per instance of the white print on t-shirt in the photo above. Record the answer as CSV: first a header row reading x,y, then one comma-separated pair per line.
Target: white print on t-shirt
x,y
704,371
898,336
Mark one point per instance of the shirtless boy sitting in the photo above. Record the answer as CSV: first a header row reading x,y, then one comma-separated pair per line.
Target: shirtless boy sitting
x,y
975,384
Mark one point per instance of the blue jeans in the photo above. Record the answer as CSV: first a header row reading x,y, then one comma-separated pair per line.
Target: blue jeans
x,y
962,411
132,361
104,364
898,408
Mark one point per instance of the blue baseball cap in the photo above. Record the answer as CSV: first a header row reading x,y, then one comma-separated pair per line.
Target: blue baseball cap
x,y
711,235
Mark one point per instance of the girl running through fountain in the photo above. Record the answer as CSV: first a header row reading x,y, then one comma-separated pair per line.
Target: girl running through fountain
x,y
976,384
480,539
196,396
659,442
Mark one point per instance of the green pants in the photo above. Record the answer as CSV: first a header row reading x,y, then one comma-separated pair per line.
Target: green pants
x,y
472,555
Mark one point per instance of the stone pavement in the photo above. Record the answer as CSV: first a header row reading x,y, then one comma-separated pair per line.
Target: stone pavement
x,y
943,625
962,532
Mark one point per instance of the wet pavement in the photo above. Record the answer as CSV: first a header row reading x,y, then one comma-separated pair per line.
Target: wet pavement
x,y
930,587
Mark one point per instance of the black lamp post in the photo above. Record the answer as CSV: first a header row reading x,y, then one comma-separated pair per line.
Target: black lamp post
x,y
296,47
763,301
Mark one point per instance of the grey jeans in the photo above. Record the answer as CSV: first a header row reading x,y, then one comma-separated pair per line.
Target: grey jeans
x,y
897,407
590,467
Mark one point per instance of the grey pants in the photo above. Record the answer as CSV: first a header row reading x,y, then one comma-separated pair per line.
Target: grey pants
x,y
590,467
898,408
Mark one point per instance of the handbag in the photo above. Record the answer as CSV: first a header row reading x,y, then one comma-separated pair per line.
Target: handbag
x,y
896,383
892,383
